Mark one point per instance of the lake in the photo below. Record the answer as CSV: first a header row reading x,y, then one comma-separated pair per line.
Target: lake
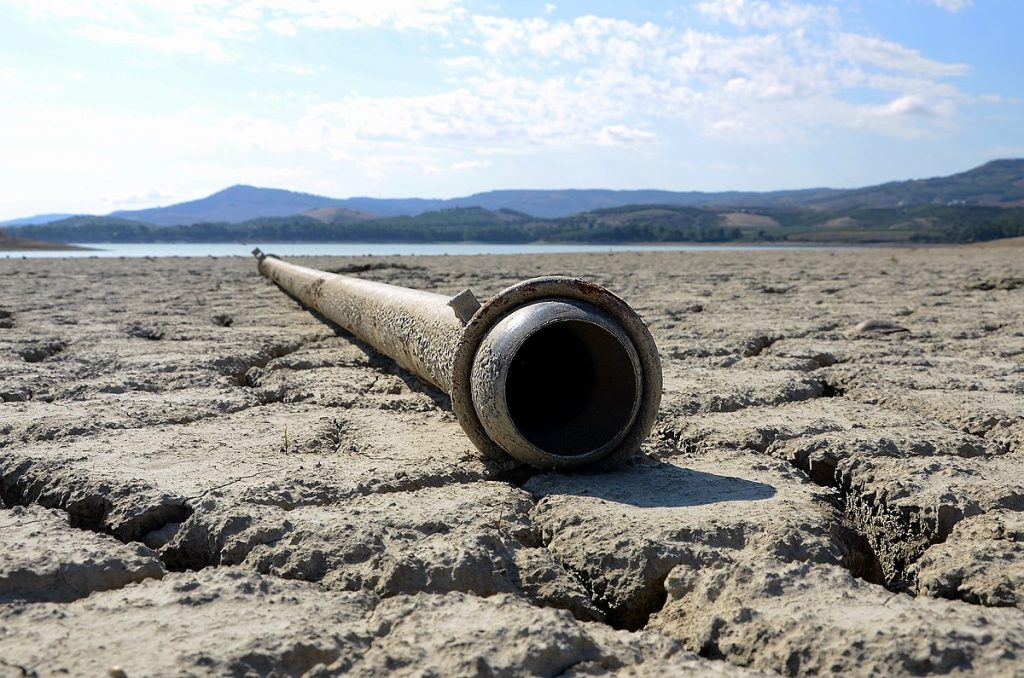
x,y
374,249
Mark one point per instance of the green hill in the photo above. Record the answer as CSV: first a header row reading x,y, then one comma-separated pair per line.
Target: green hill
x,y
635,223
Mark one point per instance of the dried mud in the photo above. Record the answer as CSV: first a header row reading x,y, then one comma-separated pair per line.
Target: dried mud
x,y
197,476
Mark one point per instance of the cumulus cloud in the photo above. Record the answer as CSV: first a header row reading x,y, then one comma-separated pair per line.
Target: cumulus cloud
x,y
466,165
515,86
610,82
891,56
180,41
622,135
764,14
953,5
208,27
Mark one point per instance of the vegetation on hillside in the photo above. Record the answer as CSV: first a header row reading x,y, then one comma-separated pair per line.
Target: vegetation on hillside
x,y
635,223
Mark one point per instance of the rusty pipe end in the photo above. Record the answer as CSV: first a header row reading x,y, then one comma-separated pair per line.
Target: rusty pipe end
x,y
557,372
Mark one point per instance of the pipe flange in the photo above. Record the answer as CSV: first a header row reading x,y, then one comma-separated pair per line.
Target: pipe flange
x,y
554,288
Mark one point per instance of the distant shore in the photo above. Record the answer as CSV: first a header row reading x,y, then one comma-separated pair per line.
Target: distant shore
x,y
16,247
14,244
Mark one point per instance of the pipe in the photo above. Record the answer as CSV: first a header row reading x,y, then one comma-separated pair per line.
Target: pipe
x,y
554,371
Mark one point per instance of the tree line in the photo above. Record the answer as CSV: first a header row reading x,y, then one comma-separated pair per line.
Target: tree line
x,y
637,223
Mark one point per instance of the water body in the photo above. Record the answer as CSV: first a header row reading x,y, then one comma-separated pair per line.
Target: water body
x,y
108,250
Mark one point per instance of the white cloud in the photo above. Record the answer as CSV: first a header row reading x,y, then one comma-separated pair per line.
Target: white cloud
x,y
514,86
465,165
585,37
181,41
507,111
207,27
764,14
591,80
282,26
780,83
953,5
622,135
465,63
891,56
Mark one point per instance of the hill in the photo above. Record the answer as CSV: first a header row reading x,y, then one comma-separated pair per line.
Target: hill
x,y
337,214
232,205
999,183
32,221
635,223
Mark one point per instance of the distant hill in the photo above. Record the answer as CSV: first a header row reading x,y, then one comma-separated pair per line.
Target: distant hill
x,y
634,223
998,183
337,214
31,221
90,229
232,205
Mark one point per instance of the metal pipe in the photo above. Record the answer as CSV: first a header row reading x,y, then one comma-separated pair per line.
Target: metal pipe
x,y
553,371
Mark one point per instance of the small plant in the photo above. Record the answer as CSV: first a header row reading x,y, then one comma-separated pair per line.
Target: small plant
x,y
286,439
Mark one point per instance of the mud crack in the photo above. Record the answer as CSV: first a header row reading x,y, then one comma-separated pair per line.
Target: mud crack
x,y
127,512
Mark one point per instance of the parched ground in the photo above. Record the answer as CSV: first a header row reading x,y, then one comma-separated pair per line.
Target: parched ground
x,y
199,477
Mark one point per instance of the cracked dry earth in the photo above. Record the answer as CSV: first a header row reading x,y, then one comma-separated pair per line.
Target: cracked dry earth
x,y
197,476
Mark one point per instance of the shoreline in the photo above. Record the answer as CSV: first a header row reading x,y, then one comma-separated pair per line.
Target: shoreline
x,y
228,249
16,244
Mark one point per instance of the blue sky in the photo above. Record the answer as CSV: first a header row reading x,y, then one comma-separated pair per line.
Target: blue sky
x,y
113,104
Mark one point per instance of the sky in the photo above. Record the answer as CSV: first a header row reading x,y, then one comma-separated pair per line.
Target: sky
x,y
122,104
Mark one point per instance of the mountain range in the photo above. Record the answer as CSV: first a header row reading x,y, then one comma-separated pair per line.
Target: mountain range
x,y
996,183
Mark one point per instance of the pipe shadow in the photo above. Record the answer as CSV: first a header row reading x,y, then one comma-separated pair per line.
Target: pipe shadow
x,y
658,485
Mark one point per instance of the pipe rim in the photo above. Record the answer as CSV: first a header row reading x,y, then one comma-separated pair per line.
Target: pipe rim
x,y
534,319
553,288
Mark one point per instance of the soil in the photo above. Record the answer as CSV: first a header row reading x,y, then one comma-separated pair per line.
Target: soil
x,y
198,476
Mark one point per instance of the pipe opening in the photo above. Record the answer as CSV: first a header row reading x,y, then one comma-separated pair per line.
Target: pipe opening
x,y
571,388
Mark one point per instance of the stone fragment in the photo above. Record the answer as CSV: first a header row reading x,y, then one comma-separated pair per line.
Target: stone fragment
x,y
126,509
622,532
981,562
905,492
879,326
216,622
463,635
802,618
43,558
474,537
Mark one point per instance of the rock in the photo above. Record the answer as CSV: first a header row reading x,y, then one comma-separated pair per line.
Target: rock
x,y
128,510
215,622
802,618
227,621
462,635
879,326
44,559
981,562
470,537
996,283
716,390
622,532
903,492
